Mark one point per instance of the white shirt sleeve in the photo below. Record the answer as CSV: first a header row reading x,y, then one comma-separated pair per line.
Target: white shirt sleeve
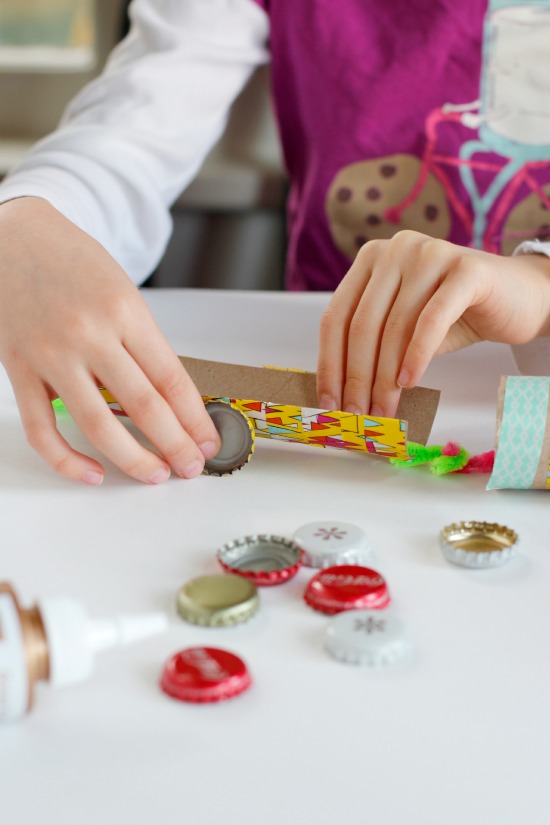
x,y
533,358
131,140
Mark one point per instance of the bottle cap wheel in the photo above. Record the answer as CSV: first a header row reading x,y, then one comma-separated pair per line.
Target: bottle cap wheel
x,y
347,587
326,543
264,559
237,438
366,637
204,674
478,543
218,600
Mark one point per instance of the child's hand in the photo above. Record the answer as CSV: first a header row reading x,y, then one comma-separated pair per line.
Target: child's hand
x,y
70,319
407,299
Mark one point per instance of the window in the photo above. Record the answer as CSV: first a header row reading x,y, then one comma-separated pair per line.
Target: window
x,y
47,35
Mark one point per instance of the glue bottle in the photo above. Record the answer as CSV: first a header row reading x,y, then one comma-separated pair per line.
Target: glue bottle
x,y
55,641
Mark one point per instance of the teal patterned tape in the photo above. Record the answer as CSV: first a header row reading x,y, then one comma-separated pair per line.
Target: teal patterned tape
x,y
523,425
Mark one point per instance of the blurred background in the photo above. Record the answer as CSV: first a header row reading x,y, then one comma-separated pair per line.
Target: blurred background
x,y
229,225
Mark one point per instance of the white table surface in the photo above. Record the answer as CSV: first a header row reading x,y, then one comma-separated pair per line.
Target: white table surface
x,y
458,737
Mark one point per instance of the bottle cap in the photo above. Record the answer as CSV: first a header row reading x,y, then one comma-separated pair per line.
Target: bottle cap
x,y
218,600
204,674
264,559
478,543
366,637
237,437
325,543
347,587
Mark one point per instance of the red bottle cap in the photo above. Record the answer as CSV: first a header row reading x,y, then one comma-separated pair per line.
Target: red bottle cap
x,y
204,674
347,587
265,559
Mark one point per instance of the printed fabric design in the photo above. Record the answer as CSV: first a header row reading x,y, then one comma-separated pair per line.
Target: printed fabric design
x,y
502,194
370,199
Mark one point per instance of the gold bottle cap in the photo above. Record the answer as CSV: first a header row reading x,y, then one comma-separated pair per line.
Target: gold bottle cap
x,y
237,437
478,543
218,600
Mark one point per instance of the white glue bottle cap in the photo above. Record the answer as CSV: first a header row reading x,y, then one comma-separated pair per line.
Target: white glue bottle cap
x,y
73,638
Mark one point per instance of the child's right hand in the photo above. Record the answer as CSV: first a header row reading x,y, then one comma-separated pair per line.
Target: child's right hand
x,y
70,320
411,297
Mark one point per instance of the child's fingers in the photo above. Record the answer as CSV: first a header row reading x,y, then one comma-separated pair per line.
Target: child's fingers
x,y
331,361
166,373
334,329
365,336
418,283
39,423
152,414
446,306
387,382
103,429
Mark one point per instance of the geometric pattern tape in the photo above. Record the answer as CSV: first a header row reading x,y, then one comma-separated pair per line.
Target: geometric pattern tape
x,y
385,437
522,432
324,428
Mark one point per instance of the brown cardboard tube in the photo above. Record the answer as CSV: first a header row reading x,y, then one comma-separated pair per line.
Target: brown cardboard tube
x,y
417,406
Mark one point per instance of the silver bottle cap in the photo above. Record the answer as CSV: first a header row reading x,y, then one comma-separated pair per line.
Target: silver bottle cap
x,y
327,543
237,439
367,637
265,559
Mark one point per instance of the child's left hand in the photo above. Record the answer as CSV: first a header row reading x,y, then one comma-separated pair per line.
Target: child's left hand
x,y
409,298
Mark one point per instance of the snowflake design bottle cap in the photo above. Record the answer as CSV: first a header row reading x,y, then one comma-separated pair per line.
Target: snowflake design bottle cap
x,y
326,543
204,674
366,637
478,543
347,587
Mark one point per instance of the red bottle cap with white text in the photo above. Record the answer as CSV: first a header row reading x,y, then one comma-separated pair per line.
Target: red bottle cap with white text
x,y
204,674
347,587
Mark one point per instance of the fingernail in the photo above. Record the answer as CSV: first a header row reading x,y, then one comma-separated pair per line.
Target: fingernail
x,y
403,379
377,411
92,477
193,470
161,475
327,402
353,409
209,449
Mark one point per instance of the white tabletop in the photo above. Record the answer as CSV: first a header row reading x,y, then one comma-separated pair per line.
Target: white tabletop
x,y
458,737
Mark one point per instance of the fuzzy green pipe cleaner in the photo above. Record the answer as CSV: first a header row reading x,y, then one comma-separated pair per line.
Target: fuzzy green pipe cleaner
x,y
442,459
